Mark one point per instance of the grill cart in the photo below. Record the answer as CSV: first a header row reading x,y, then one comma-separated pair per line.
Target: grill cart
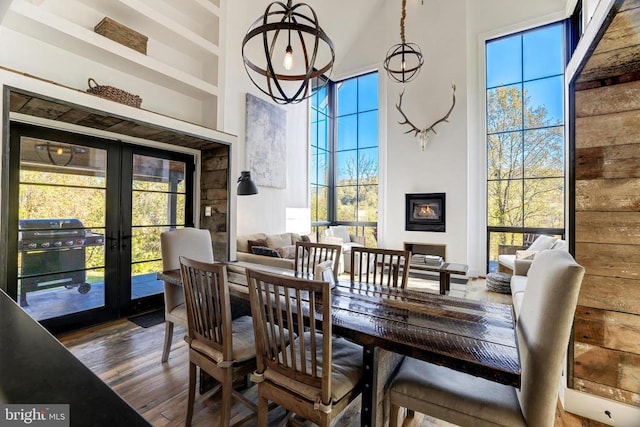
x,y
53,254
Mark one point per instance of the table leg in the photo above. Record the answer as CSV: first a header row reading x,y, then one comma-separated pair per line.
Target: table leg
x,y
379,366
445,282
370,362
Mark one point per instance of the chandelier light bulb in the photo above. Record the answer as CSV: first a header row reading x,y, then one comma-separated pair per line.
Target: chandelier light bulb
x,y
288,58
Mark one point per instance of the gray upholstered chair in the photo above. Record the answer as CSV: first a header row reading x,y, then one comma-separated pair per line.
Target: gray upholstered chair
x,y
193,243
543,330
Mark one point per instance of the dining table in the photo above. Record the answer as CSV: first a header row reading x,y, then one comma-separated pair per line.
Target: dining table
x,y
475,337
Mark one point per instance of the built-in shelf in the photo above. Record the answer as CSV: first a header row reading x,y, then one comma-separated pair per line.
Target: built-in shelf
x,y
149,21
34,21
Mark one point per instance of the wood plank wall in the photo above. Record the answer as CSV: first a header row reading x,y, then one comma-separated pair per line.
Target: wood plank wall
x,y
607,230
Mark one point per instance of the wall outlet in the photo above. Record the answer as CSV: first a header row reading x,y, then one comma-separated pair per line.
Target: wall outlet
x,y
207,211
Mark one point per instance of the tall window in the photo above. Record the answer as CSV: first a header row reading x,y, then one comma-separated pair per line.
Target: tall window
x,y
525,138
344,167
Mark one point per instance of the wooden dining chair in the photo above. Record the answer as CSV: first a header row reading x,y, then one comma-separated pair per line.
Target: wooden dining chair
x,y
543,330
317,375
385,267
309,255
194,243
223,348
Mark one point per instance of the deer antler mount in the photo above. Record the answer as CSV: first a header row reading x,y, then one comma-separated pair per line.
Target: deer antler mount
x,y
424,134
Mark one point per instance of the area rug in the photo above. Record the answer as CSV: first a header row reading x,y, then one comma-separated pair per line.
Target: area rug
x,y
148,319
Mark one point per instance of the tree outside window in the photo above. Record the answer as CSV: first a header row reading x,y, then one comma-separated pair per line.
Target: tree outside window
x,y
525,137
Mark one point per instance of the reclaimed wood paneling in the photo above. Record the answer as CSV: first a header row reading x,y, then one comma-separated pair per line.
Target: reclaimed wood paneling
x,y
609,259
608,195
606,359
622,161
608,99
613,227
608,129
617,369
610,293
607,392
608,329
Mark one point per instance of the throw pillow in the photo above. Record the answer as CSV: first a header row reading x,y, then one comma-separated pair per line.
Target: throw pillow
x,y
341,231
559,244
543,242
288,252
526,254
265,251
258,242
305,238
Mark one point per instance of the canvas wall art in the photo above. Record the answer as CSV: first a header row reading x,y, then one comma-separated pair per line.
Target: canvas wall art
x,y
266,143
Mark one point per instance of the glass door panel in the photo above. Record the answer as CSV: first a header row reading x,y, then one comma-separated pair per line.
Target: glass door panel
x,y
159,194
61,227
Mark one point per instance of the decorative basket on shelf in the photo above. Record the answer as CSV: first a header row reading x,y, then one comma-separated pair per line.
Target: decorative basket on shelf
x,y
114,94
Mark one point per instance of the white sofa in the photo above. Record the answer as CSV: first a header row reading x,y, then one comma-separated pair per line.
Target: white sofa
x,y
543,242
339,235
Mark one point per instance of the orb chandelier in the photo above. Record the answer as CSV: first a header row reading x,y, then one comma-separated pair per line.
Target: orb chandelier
x,y
404,60
282,49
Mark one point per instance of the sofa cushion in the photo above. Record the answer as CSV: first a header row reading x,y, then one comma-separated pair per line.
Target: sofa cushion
x,y
264,251
276,241
542,243
288,252
507,260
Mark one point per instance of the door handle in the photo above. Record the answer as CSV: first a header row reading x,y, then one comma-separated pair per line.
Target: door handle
x,y
113,241
123,240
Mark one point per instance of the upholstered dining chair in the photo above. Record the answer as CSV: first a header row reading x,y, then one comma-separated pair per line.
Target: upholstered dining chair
x,y
543,330
309,255
386,267
317,375
223,348
194,243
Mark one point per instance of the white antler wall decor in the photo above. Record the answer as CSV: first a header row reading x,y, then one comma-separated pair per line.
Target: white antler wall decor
x,y
424,134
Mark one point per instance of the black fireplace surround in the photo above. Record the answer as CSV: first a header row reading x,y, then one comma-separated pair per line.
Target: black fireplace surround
x,y
425,212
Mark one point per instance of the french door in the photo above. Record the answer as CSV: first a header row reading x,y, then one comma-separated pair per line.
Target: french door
x,y
85,217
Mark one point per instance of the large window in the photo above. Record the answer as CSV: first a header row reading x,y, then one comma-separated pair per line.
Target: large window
x,y
525,138
344,166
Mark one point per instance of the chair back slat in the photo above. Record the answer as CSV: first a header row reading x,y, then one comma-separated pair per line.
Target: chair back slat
x,y
296,308
309,254
385,267
208,304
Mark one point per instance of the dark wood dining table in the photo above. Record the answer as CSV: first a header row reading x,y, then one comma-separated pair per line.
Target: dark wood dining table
x,y
474,337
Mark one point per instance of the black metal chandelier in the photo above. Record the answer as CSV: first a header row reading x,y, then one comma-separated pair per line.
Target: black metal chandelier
x,y
404,60
287,35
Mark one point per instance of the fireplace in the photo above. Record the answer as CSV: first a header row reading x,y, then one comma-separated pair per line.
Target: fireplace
x,y
425,212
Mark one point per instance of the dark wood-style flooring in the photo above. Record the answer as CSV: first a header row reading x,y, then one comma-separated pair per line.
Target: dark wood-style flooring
x,y
127,358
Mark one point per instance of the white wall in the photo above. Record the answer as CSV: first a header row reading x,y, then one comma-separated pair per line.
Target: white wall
x,y
438,27
264,212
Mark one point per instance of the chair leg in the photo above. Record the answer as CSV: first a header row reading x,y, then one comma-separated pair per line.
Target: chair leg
x,y
192,393
393,415
263,409
168,338
227,398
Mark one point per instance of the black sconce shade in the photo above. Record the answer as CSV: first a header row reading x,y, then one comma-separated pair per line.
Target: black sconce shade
x,y
246,186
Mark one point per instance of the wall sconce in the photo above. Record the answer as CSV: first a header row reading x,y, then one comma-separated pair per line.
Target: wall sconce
x,y
246,186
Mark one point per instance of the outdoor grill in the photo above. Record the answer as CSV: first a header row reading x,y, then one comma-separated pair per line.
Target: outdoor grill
x,y
53,254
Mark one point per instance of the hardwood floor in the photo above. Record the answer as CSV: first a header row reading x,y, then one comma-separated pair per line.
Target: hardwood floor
x,y
127,358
